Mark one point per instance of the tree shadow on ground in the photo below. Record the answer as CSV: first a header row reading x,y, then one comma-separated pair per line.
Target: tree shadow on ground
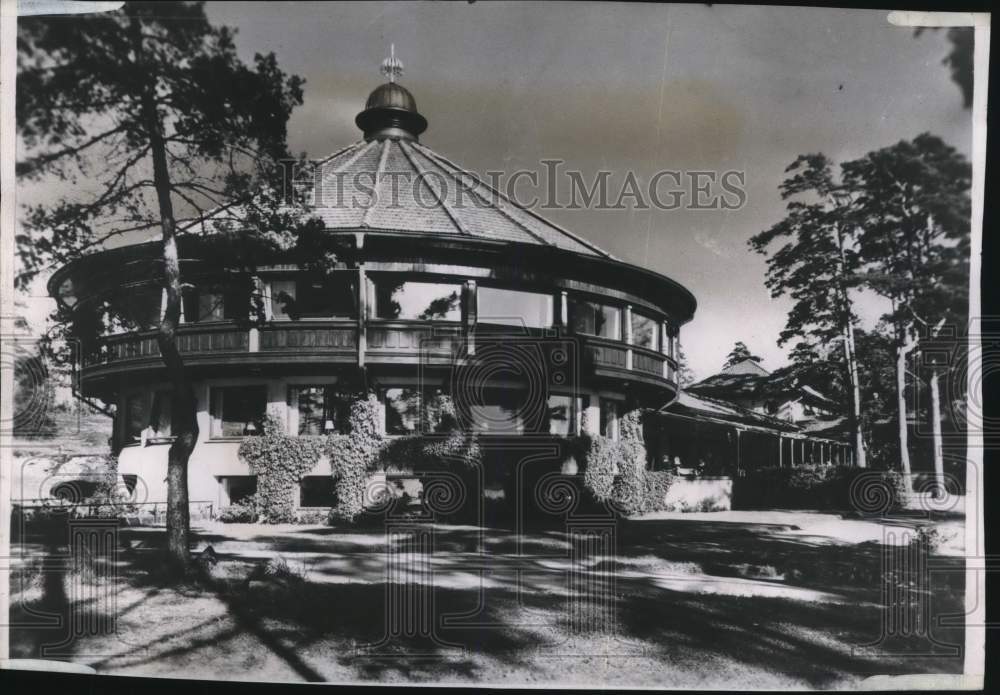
x,y
489,597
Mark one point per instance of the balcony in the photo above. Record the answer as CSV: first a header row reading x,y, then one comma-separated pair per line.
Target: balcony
x,y
385,342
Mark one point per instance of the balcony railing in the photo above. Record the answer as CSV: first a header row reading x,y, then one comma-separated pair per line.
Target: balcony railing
x,y
385,341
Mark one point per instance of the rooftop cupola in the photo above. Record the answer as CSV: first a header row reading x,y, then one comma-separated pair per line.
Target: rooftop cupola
x,y
391,111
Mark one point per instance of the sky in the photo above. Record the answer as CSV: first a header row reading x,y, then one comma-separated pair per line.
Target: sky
x,y
630,88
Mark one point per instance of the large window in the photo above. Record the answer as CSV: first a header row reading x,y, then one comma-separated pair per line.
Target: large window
x,y
161,414
150,415
135,416
217,302
609,418
136,308
402,410
563,414
405,406
497,411
313,297
645,332
321,410
238,410
425,301
514,307
595,319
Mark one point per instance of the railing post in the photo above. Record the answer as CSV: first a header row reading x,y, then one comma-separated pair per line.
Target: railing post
x,y
362,313
471,316
628,336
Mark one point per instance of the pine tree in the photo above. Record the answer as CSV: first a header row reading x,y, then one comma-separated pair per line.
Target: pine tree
x,y
147,109
740,353
817,266
914,209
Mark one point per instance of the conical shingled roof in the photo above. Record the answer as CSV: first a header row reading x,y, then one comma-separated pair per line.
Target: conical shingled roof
x,y
401,186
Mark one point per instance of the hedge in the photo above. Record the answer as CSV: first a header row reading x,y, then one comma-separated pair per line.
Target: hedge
x,y
841,488
633,490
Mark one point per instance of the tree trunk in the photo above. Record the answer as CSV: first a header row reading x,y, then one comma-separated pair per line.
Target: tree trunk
x,y
850,354
906,346
185,425
936,434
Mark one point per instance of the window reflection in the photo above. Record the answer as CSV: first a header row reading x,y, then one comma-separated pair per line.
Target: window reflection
x,y
595,319
645,331
238,410
498,411
424,301
135,416
322,410
216,302
402,410
560,412
135,309
149,415
161,414
609,418
514,307
311,297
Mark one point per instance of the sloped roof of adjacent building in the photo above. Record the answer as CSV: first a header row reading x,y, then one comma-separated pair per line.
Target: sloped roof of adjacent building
x,y
706,408
745,381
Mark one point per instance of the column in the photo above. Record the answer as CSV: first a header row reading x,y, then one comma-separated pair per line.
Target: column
x,y
471,308
628,336
362,313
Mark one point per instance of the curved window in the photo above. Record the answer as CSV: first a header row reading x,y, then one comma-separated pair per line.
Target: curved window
x,y
224,301
423,301
513,307
307,297
593,318
645,332
135,308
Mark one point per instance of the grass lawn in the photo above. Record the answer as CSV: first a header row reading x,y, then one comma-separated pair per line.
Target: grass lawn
x,y
772,600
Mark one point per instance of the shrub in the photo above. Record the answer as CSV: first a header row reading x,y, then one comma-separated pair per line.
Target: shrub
x,y
820,487
629,490
313,516
657,485
598,455
242,513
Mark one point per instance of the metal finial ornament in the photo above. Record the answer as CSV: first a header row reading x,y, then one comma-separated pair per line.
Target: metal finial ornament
x,y
391,67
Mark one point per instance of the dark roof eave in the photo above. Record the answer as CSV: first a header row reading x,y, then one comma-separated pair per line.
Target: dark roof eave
x,y
688,301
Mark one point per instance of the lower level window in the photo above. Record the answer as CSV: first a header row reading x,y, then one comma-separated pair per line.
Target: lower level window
x,y
402,410
321,410
317,491
565,414
499,411
238,411
560,412
609,418
148,415
239,488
